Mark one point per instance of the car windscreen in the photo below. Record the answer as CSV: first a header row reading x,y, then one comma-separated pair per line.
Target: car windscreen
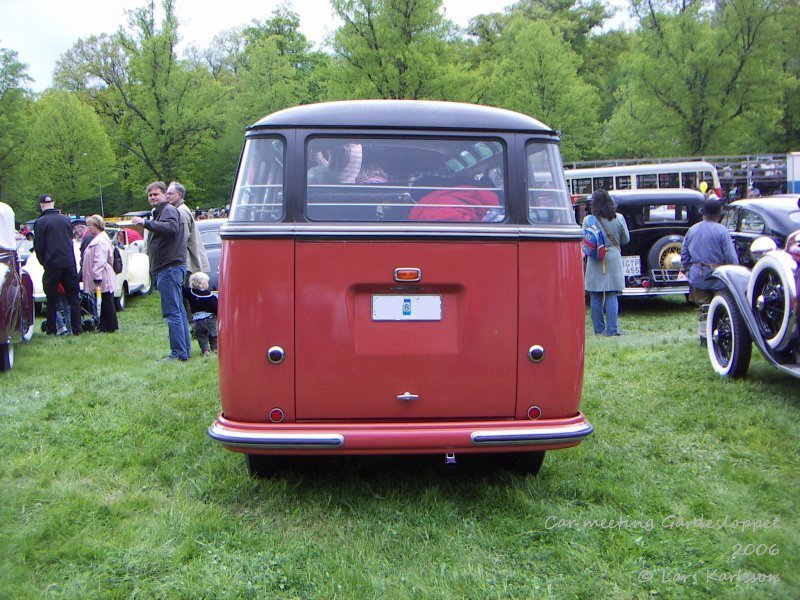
x,y
375,179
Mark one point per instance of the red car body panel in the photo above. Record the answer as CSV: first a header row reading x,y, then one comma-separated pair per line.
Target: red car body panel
x,y
256,314
354,367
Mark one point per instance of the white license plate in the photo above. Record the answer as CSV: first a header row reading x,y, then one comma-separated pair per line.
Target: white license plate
x,y
407,308
631,265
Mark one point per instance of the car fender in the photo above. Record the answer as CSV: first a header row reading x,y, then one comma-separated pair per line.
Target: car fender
x,y
737,281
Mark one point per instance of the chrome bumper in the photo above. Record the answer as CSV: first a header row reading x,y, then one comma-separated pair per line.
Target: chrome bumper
x,y
390,438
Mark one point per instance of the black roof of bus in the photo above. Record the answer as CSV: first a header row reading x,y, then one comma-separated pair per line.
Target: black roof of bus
x,y
402,114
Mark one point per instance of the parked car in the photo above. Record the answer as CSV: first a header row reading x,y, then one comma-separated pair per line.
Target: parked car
x,y
16,293
209,231
134,278
657,221
758,307
400,277
747,220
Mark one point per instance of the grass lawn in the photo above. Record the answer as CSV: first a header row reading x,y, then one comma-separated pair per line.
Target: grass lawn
x,y
109,486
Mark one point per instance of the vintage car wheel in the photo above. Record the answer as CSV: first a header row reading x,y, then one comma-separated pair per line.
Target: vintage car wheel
x,y
6,356
770,294
665,253
122,300
729,343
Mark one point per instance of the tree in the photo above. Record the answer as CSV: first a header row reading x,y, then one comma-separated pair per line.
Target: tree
x,y
396,49
699,81
14,107
165,113
68,154
538,75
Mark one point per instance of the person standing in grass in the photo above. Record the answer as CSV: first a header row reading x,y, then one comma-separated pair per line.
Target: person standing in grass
x,y
166,246
196,259
98,272
707,245
203,306
55,252
605,280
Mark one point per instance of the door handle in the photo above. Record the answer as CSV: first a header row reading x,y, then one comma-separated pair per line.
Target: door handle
x,y
408,396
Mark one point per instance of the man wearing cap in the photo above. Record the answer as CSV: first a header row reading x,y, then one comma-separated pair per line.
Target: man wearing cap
x,y
707,245
166,246
55,252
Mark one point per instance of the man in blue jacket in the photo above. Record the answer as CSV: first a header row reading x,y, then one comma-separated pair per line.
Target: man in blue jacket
x,y
166,246
707,245
55,252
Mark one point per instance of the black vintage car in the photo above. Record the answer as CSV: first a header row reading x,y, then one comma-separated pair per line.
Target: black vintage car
x,y
774,217
209,232
657,221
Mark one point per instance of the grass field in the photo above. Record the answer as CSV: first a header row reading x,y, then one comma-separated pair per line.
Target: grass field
x,y
110,488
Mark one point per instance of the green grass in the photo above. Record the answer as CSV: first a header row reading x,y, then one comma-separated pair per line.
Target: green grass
x,y
110,488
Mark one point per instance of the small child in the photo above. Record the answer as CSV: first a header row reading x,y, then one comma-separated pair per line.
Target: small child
x,y
203,304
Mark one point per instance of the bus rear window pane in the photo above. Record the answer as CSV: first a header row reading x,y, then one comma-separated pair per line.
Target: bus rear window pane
x,y
258,194
365,179
548,200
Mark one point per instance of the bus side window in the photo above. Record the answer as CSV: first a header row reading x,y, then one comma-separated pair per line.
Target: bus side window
x,y
623,182
645,182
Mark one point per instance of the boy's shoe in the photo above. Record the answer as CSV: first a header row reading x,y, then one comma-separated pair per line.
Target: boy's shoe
x,y
206,353
62,330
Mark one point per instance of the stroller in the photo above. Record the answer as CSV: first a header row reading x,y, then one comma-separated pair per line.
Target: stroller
x,y
90,313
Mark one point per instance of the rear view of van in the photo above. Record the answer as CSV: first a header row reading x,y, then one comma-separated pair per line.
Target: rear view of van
x,y
400,277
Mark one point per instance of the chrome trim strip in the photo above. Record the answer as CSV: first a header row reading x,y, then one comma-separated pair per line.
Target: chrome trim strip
x,y
256,439
656,291
260,230
545,435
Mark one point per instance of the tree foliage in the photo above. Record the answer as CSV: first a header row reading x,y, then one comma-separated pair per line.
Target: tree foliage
x,y
165,113
394,49
14,108
699,80
538,75
69,153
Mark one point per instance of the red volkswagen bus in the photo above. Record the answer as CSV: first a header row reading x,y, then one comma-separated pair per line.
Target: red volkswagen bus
x,y
400,277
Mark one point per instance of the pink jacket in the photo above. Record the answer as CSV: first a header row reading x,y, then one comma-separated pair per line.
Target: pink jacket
x,y
97,264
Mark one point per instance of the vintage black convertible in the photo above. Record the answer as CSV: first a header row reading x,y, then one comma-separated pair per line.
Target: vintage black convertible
x,y
757,307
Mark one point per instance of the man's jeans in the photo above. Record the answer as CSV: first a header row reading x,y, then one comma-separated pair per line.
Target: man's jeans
x,y
170,285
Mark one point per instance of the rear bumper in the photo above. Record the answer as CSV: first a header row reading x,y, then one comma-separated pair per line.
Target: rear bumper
x,y
656,291
399,438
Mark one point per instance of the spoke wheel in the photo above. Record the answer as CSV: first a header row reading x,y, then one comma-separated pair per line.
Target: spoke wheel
x,y
729,342
771,306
